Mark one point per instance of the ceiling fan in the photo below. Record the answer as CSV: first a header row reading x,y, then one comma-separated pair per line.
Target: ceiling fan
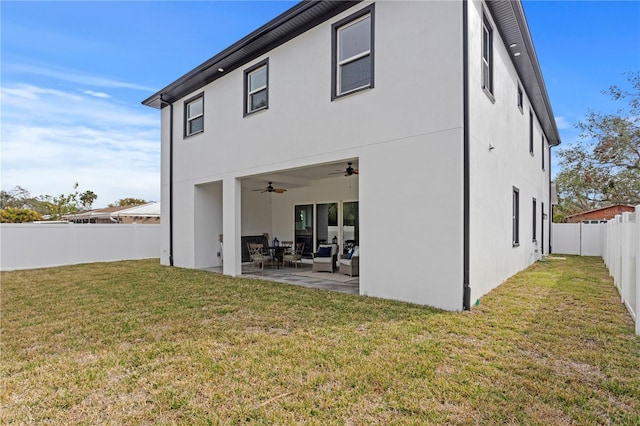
x,y
349,171
270,188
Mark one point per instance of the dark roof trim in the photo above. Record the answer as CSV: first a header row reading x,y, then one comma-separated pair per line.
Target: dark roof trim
x,y
512,25
293,22
508,16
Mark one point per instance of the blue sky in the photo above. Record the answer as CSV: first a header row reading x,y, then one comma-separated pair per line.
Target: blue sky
x,y
73,75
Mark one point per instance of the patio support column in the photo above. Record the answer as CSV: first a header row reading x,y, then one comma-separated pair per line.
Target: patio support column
x,y
231,221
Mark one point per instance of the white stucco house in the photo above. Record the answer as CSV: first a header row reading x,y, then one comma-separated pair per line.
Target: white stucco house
x,y
440,106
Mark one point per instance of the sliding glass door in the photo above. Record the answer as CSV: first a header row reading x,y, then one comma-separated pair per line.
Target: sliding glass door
x,y
327,224
336,222
304,227
350,225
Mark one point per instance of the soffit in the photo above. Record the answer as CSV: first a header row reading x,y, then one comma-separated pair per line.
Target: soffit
x,y
508,16
512,25
283,28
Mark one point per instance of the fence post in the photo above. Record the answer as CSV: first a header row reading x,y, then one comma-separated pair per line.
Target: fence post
x,y
618,249
637,260
625,255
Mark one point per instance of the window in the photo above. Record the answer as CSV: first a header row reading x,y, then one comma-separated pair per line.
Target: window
x,y
520,98
350,225
194,116
256,88
542,150
487,56
516,217
530,132
326,223
352,53
535,223
303,219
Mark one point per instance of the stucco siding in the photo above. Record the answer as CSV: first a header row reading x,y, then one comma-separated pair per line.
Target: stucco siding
x,y
417,77
500,160
405,132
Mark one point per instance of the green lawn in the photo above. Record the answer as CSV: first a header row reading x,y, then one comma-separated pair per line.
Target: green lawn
x,y
138,343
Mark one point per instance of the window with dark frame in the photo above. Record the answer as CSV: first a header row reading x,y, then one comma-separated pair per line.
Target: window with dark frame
x,y
352,53
542,151
516,217
256,88
487,55
194,116
534,221
520,98
530,132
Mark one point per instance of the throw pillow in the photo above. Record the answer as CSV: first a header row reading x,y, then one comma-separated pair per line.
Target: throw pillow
x,y
324,252
349,254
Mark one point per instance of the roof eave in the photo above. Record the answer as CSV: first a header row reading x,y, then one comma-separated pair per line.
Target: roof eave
x,y
512,25
291,23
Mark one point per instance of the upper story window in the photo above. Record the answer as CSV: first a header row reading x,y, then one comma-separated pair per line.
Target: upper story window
x,y
520,98
487,56
542,151
256,88
194,116
352,53
530,132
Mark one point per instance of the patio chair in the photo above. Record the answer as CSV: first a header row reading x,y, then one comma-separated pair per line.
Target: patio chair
x,y
294,255
325,258
349,263
258,256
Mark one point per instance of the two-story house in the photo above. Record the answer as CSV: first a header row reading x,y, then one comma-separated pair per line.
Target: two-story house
x,y
440,107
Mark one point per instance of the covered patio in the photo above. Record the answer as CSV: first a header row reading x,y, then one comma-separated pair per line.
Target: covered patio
x,y
300,276
307,206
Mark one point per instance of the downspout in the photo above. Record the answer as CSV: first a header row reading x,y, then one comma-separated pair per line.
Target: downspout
x,y
466,289
162,101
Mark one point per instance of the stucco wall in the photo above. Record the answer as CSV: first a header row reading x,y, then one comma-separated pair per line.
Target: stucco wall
x,y
405,133
494,172
29,245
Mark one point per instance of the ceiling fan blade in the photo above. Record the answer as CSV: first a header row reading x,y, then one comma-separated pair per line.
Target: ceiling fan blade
x,y
279,190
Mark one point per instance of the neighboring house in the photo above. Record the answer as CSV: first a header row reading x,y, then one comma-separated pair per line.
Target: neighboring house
x,y
601,214
145,213
440,106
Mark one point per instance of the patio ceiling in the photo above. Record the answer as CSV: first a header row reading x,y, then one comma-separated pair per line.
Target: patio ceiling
x,y
299,177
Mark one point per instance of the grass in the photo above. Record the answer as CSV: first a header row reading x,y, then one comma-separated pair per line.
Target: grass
x,y
139,343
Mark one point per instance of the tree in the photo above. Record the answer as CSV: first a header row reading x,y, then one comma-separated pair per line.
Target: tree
x,y
20,198
605,168
87,198
128,202
46,205
18,215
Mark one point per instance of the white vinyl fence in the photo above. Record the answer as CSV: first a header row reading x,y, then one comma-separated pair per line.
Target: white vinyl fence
x,y
621,254
38,245
617,242
583,239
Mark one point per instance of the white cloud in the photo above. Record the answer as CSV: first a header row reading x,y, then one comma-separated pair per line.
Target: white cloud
x,y
562,123
74,77
28,92
51,139
96,94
